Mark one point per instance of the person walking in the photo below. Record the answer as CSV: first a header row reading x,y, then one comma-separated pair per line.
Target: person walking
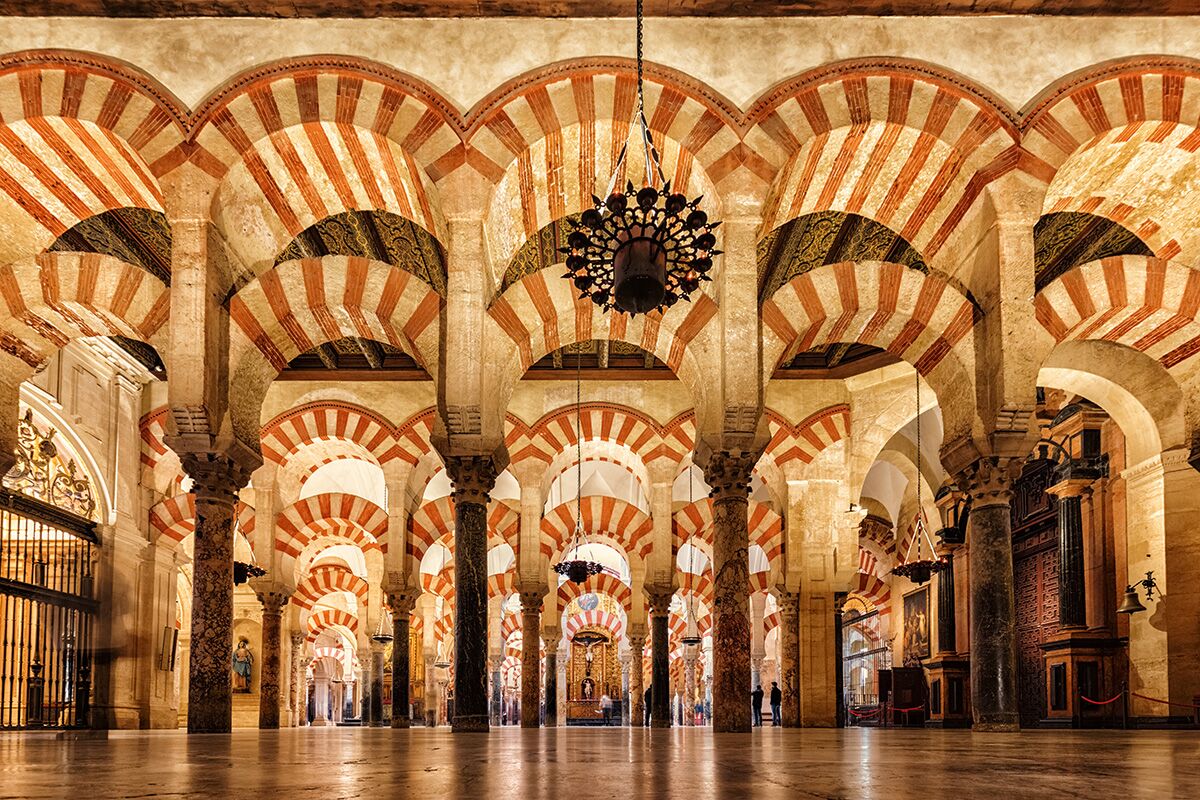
x,y
756,698
646,706
776,705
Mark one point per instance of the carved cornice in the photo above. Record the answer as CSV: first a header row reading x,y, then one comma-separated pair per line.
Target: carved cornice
x,y
989,480
473,477
727,473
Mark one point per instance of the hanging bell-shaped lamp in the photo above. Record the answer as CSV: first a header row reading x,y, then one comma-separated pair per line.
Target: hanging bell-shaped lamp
x,y
1131,604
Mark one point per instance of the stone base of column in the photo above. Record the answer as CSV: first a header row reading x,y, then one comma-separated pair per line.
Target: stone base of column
x,y
401,722
476,723
1013,726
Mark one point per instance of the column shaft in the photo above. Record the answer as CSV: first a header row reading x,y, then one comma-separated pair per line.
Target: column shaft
x,y
273,602
789,657
1072,604
551,688
210,688
993,609
637,690
947,621
401,669
531,682
660,665
376,687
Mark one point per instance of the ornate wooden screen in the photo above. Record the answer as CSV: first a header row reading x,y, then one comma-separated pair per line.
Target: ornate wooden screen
x,y
1035,567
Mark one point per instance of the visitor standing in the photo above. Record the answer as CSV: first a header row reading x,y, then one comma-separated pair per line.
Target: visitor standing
x,y
776,705
756,698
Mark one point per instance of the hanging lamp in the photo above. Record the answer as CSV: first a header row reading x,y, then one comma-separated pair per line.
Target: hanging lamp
x,y
643,249
920,569
691,639
442,661
578,569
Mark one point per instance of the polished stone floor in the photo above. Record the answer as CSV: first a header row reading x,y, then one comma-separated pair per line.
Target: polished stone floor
x,y
582,764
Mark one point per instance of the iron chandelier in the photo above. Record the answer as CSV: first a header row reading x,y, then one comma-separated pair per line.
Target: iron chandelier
x,y
641,250
921,569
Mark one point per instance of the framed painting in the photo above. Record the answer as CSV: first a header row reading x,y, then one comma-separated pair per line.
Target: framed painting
x,y
916,624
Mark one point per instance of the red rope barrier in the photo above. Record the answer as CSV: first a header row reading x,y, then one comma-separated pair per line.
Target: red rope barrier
x,y
1165,702
906,710
862,715
1113,699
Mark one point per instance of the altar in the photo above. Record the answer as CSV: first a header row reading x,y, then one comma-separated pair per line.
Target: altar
x,y
593,673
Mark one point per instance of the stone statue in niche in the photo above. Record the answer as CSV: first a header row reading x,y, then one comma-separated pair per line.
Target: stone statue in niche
x,y
243,660
588,689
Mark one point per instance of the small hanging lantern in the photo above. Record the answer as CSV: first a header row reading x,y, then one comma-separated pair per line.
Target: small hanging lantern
x,y
691,638
920,569
641,250
578,569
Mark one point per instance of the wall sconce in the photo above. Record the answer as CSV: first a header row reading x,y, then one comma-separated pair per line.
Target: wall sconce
x,y
1131,604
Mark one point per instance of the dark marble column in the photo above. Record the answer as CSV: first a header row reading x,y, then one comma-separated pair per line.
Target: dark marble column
x,y
217,480
552,685
273,599
728,473
531,643
473,477
789,657
993,609
637,690
497,690
401,604
1072,602
947,622
660,664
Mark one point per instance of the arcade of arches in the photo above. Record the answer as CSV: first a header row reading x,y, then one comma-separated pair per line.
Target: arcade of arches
x,y
289,398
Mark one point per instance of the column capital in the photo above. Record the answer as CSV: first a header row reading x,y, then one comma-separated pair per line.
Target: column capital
x,y
531,601
297,640
788,602
273,596
216,477
727,472
659,600
402,600
989,479
473,477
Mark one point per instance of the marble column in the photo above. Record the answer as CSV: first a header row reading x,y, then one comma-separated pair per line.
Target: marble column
x,y
216,482
402,604
728,474
273,598
321,693
637,711
431,697
789,657
993,608
496,662
375,688
298,700
551,684
689,686
1072,602
531,643
947,638
660,663
473,477
626,660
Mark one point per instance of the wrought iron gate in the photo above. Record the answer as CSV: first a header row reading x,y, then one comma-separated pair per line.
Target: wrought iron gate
x,y
46,614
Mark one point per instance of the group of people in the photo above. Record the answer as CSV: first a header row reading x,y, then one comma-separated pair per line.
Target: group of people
x,y
756,705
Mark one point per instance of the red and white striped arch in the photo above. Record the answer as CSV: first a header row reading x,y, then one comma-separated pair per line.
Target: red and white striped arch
x,y
333,517
174,518
623,523
331,619
541,313
434,522
327,579
598,618
304,303
503,584
551,140
81,135
874,591
596,584
804,441
327,420
555,432
916,316
896,142
1144,303
338,654
49,300
694,523
1120,141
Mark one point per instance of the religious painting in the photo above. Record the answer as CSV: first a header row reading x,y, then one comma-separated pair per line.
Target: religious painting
x,y
916,624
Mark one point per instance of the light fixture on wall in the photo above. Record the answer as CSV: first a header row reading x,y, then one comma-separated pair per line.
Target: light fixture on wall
x,y
578,569
641,250
1131,604
920,569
